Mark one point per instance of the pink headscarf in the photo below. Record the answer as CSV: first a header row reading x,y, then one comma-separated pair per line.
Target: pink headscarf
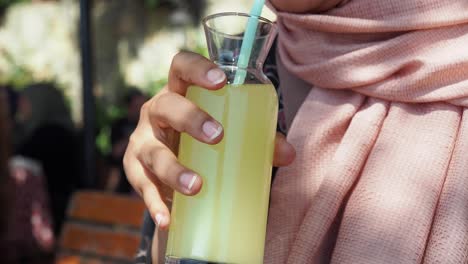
x,y
381,174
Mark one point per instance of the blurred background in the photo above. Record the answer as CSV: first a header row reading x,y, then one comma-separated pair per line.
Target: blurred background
x,y
74,75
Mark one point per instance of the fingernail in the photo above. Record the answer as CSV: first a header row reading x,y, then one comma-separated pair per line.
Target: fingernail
x,y
159,219
215,76
211,129
188,180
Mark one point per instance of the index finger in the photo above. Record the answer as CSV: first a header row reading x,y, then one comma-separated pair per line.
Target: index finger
x,y
189,68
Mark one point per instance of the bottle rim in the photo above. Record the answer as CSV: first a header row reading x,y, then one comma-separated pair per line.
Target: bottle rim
x,y
235,14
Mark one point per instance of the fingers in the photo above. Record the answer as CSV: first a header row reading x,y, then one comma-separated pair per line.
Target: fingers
x,y
148,190
162,162
157,208
175,111
284,152
189,68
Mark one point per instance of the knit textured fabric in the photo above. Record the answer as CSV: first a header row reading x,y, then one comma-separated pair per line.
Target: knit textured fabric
x,y
381,174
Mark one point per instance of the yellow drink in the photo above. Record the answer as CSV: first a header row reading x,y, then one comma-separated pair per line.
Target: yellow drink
x,y
226,221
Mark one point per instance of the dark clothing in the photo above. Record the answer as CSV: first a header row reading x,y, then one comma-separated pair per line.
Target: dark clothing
x,y
148,228
121,131
29,237
57,150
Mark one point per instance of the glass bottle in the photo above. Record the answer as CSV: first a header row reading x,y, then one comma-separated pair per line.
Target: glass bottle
x,y
226,221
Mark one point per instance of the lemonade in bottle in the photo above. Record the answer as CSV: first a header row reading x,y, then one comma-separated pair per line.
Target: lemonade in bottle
x,y
226,221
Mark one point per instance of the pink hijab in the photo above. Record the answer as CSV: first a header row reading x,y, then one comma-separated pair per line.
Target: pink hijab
x,y
381,174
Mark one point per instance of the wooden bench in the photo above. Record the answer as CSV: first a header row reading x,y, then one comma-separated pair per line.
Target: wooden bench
x,y
101,228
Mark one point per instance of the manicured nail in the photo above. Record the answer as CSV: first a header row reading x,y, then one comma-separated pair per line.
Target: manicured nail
x,y
188,180
215,76
211,129
159,219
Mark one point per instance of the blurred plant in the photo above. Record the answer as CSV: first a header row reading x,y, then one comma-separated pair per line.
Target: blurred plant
x,y
38,43
17,75
150,68
156,86
151,65
157,3
152,3
105,117
4,4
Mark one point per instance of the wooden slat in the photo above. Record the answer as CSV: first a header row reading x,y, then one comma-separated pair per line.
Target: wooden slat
x,y
107,208
99,241
75,259
67,260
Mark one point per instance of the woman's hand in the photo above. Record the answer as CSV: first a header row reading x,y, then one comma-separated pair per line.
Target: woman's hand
x,y
150,161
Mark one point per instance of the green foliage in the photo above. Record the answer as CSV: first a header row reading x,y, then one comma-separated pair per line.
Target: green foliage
x,y
6,3
19,76
202,50
156,86
106,114
152,3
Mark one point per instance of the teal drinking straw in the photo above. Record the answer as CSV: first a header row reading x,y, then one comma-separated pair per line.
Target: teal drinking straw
x,y
247,43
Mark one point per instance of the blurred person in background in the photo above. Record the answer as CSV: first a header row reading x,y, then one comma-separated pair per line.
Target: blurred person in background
x,y
4,207
47,134
26,234
12,98
120,133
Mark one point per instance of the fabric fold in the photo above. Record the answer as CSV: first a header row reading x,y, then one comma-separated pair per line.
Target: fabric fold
x,y
380,174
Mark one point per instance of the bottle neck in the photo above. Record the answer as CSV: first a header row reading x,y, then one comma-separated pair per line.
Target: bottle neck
x,y
252,66
253,75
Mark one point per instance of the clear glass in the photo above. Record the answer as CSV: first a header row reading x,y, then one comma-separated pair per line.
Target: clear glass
x,y
226,221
